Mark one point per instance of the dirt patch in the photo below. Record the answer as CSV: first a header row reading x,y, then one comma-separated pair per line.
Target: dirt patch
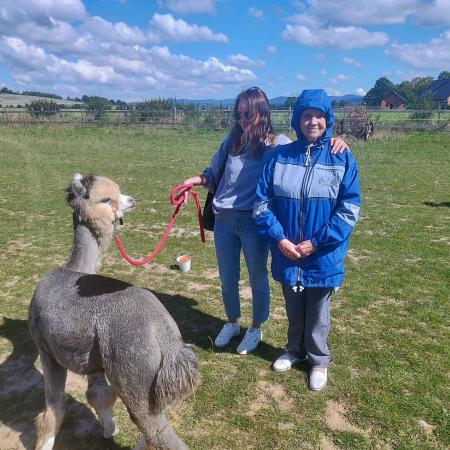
x,y
336,420
285,426
279,313
428,428
196,287
268,393
327,444
76,383
246,292
12,281
210,274
12,439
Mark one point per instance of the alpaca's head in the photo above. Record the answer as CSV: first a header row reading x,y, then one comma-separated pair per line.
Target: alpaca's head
x,y
98,202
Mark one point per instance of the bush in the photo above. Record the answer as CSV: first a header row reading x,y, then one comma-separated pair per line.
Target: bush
x,y
42,108
155,111
356,123
96,107
424,109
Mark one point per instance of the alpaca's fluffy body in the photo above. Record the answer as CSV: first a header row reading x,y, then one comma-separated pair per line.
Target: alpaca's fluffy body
x,y
96,325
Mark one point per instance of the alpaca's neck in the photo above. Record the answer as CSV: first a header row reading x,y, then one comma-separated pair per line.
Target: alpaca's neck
x,y
86,249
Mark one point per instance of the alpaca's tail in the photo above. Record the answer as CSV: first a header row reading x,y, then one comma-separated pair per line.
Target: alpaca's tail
x,y
177,375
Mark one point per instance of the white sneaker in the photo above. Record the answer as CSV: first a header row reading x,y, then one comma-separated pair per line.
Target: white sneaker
x,y
318,378
228,332
285,362
252,338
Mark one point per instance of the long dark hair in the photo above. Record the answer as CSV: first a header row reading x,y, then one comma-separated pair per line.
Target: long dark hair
x,y
260,131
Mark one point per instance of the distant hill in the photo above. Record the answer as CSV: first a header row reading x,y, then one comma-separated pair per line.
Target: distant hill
x,y
22,100
207,102
350,98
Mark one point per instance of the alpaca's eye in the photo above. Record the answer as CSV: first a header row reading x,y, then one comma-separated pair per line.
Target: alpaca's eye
x,y
105,200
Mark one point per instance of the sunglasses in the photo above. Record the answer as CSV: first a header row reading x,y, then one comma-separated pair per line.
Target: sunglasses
x,y
238,115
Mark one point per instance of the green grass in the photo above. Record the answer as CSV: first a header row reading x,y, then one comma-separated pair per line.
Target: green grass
x,y
388,385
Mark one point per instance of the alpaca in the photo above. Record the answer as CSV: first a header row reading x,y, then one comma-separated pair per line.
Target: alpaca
x,y
107,329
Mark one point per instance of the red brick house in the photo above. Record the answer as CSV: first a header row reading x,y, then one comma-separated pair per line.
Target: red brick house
x,y
393,101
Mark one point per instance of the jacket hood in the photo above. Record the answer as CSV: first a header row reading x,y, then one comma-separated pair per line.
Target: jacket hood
x,y
317,99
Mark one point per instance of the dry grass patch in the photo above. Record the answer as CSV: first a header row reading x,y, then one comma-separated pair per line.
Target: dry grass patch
x,y
336,420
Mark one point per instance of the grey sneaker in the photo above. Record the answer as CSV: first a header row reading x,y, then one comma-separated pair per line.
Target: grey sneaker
x,y
318,378
228,332
285,362
252,338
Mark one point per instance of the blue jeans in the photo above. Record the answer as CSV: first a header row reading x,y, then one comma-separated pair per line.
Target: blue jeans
x,y
232,232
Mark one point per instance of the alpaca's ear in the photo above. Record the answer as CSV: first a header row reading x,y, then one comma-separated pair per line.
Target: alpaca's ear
x,y
78,187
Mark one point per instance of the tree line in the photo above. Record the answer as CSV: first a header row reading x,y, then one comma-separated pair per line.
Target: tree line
x,y
410,90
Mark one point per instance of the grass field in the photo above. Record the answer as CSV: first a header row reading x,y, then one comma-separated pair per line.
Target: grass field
x,y
389,378
15,100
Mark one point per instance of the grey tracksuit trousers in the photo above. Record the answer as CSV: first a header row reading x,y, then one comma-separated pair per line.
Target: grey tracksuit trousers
x,y
308,313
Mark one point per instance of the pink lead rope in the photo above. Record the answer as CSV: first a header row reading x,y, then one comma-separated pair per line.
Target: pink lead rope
x,y
178,202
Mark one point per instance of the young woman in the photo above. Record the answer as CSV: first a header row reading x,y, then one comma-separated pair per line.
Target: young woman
x,y
233,175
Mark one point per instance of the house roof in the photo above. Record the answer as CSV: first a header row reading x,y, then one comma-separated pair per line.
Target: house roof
x,y
439,89
396,94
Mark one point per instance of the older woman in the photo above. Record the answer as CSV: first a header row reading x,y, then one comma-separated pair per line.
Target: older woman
x,y
307,203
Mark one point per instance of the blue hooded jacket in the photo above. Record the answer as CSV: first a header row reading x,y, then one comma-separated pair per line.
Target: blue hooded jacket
x,y
307,193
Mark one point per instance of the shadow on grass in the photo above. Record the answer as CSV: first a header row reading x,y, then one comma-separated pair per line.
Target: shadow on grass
x,y
201,329
22,399
22,385
437,205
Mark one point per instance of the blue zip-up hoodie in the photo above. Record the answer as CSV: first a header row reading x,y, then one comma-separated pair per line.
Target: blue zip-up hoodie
x,y
307,193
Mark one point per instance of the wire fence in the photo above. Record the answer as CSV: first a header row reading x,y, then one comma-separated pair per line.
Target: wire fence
x,y
405,120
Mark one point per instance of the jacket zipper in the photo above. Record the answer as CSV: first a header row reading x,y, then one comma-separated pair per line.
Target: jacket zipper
x,y
302,194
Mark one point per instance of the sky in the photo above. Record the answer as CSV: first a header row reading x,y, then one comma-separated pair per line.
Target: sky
x,y
212,49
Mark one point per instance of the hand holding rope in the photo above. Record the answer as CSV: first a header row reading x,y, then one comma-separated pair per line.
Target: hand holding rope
x,y
178,197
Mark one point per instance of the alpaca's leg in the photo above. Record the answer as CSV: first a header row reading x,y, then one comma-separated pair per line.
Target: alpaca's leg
x,y
49,422
157,433
102,397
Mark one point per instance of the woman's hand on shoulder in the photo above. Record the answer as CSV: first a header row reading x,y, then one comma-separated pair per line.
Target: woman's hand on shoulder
x,y
338,145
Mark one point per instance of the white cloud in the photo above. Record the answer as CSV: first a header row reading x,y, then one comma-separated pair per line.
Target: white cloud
x,y
351,62
337,38
244,61
38,11
380,12
362,12
255,12
166,27
361,91
189,6
40,21
122,70
333,92
119,32
436,13
271,49
339,78
300,77
323,72
433,55
319,57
